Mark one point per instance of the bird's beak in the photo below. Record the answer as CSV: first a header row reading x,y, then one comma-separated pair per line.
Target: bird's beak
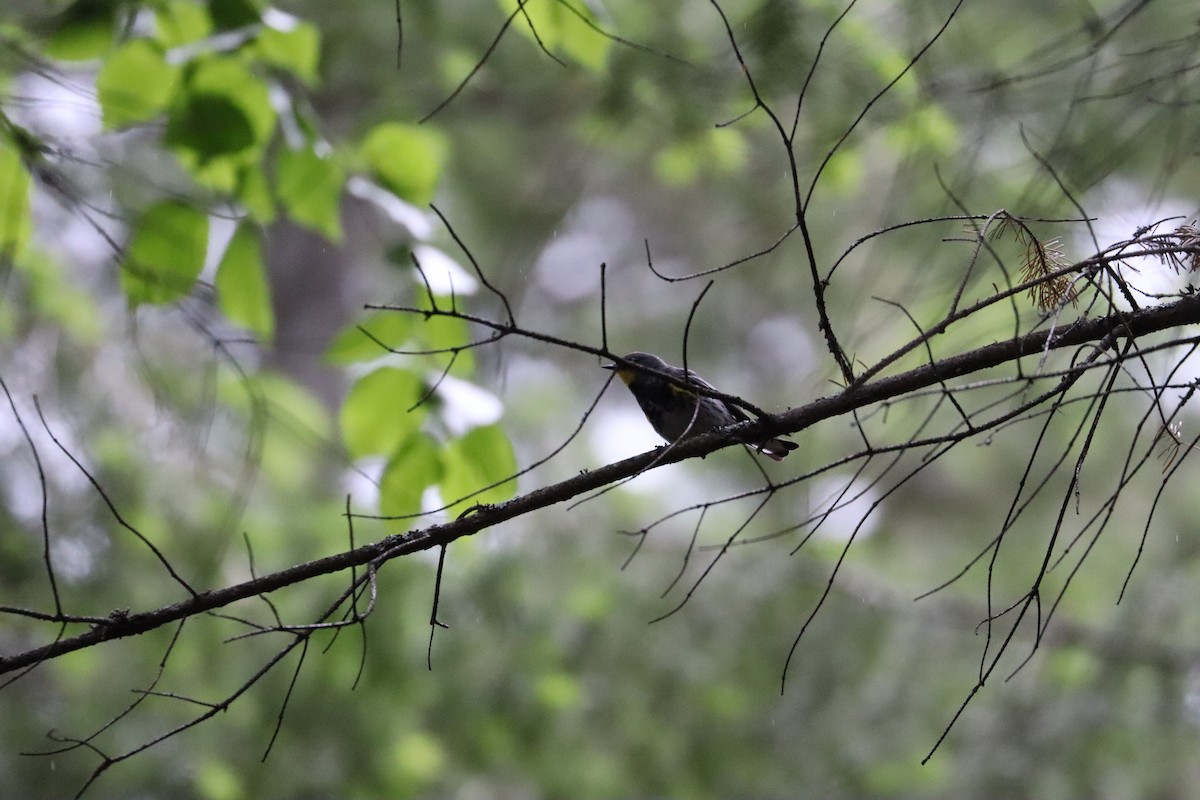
x,y
624,373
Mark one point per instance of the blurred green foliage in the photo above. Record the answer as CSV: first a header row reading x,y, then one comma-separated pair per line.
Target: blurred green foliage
x,y
153,355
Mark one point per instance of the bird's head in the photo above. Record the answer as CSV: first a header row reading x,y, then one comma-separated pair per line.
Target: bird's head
x,y
646,360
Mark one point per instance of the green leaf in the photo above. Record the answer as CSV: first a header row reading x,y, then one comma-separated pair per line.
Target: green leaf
x,y
136,84
224,110
446,333
413,469
727,148
416,759
889,63
1072,667
845,170
929,128
562,30
181,22
579,41
379,415
557,691
165,254
210,125
481,458
15,220
219,174
406,159
50,293
228,15
385,329
310,188
685,159
84,30
217,780
297,50
279,409
254,193
243,294
679,163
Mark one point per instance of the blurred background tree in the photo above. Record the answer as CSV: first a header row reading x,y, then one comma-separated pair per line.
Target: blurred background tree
x,y
198,198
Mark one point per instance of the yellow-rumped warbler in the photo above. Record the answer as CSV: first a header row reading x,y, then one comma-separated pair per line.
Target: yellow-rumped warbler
x,y
676,413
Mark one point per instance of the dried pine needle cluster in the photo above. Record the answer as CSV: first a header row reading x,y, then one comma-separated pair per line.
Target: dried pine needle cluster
x,y
1186,255
1042,266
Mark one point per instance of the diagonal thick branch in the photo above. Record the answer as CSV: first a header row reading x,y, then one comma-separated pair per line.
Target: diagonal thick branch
x,y
1116,327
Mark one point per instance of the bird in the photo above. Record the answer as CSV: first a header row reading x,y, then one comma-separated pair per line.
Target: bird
x,y
676,413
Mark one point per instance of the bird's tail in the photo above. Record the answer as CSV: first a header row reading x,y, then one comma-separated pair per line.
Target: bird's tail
x,y
776,448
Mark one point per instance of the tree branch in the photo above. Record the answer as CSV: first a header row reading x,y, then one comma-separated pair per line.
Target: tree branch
x,y
1184,311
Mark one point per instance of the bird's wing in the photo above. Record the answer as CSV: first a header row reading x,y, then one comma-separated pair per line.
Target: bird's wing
x,y
737,412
